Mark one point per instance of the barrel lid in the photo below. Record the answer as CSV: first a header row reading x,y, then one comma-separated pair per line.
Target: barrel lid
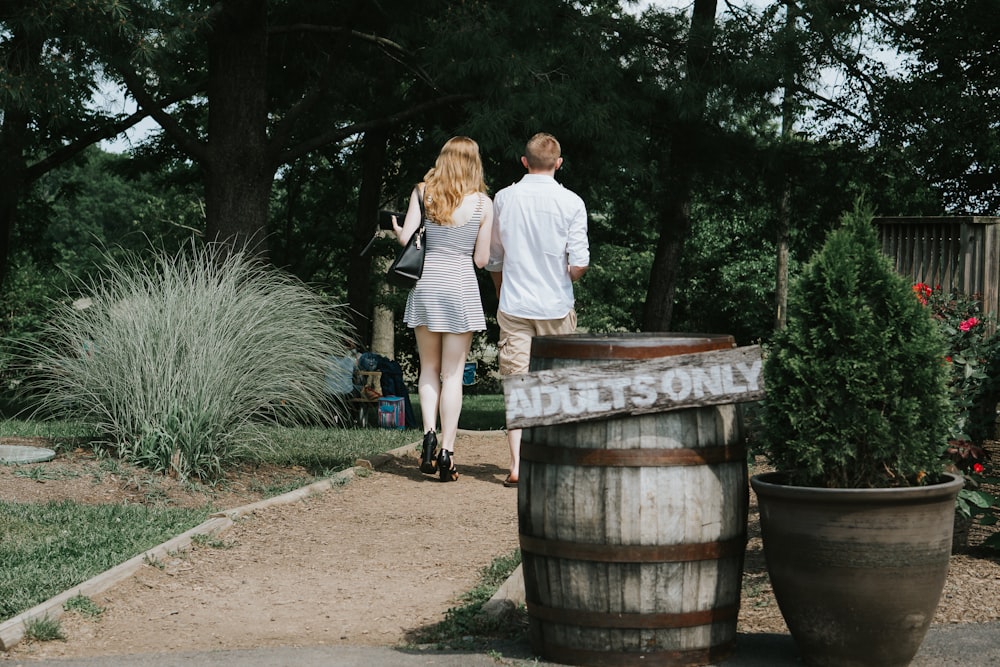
x,y
644,345
25,454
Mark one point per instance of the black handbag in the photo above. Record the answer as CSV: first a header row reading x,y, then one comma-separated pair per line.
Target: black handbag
x,y
408,266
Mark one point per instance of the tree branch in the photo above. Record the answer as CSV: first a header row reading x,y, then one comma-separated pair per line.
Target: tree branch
x,y
338,134
392,49
828,101
283,128
333,30
187,143
99,133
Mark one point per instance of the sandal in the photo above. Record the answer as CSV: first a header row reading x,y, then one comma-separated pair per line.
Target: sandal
x,y
428,458
446,466
511,481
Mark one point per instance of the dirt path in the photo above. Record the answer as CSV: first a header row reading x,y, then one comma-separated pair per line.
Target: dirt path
x,y
359,565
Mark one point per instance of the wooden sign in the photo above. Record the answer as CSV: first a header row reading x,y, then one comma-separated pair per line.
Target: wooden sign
x,y
634,387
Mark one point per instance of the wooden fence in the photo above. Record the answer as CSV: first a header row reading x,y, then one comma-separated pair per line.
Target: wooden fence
x,y
960,253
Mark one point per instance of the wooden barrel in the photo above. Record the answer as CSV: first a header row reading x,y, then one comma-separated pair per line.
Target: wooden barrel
x,y
633,529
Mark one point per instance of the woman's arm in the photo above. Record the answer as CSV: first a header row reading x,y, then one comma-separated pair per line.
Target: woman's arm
x,y
481,254
413,220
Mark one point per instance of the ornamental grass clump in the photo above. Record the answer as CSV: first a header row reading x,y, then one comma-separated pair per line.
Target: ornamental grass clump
x,y
856,382
180,361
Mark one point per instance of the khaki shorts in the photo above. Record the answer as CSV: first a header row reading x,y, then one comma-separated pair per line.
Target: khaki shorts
x,y
515,338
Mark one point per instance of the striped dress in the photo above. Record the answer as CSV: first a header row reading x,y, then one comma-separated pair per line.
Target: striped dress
x,y
446,298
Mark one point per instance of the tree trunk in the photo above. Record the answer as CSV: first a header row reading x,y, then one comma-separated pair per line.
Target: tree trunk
x,y
384,327
25,53
781,263
239,172
359,268
659,306
784,209
684,144
12,170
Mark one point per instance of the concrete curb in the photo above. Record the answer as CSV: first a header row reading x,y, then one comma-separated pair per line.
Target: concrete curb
x,y
13,629
508,597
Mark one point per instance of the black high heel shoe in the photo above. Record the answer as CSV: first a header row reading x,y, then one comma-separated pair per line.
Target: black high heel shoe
x,y
428,458
446,466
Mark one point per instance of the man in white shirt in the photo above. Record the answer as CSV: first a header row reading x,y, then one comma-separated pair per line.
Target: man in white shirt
x,y
539,248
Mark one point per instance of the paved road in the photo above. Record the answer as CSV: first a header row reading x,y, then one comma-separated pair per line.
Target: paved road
x,y
970,645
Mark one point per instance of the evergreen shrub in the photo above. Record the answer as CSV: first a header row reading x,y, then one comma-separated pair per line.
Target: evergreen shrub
x,y
856,382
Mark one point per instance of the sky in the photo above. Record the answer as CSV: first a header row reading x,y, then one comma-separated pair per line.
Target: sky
x,y
112,98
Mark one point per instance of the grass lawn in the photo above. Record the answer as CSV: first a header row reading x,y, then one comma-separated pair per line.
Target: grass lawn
x,y
47,549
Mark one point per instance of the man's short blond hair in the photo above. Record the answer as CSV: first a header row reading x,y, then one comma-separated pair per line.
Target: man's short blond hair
x,y
542,151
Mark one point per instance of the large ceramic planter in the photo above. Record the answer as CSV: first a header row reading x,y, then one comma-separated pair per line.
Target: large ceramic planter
x,y
857,573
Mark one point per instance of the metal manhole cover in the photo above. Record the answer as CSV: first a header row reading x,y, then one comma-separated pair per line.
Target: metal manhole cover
x,y
23,454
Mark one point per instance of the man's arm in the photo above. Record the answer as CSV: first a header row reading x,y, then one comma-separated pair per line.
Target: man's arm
x,y
495,265
497,277
577,244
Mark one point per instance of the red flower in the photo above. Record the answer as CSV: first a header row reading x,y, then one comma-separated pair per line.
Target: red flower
x,y
922,291
978,467
968,324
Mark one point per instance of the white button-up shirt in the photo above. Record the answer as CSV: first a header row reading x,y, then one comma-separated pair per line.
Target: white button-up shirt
x,y
539,231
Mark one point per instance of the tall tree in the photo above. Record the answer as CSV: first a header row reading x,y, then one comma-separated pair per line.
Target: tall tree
x,y
685,140
940,113
271,70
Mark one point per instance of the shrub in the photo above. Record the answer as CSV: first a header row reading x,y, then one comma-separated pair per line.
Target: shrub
x,y
972,350
855,383
179,363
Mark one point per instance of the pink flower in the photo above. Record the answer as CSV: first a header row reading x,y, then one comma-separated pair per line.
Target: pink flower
x,y
968,324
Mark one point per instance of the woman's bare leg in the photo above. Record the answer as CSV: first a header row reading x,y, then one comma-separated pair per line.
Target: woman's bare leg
x,y
454,352
429,380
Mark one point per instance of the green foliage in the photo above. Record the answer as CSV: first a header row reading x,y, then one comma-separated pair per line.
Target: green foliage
x,y
43,629
610,297
70,214
855,384
47,549
940,115
973,355
84,606
95,209
25,298
974,501
179,363
728,283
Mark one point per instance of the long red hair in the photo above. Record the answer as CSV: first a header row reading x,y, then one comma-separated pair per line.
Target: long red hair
x,y
457,172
